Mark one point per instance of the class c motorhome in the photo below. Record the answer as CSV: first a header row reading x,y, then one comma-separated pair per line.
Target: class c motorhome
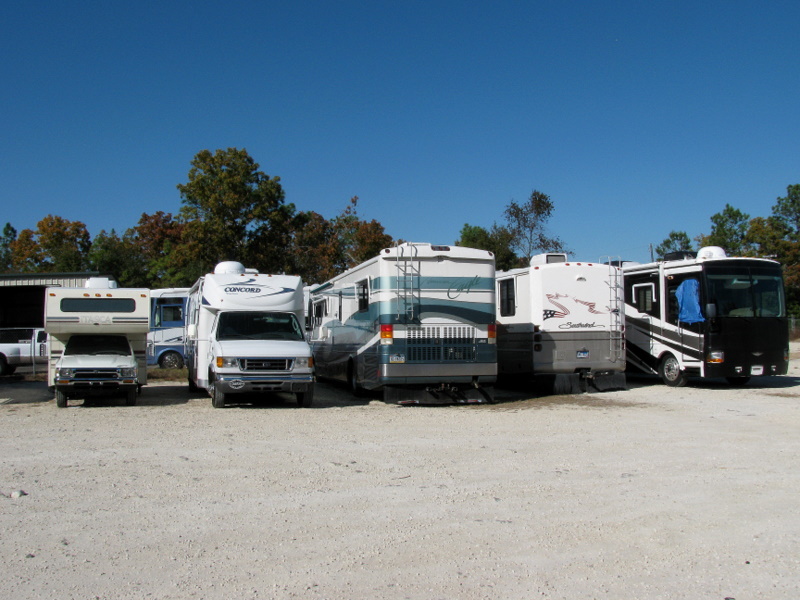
x,y
706,315
416,322
561,322
98,339
245,333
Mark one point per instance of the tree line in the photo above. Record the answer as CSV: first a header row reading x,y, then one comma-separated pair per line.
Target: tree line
x,y
231,210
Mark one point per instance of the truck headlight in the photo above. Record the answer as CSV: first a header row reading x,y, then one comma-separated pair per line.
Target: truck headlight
x,y
304,362
223,362
127,372
715,357
65,373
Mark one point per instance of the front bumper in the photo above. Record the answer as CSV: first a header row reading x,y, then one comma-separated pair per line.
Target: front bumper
x,y
95,386
242,384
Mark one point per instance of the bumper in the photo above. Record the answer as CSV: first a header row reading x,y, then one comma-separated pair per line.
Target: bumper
x,y
95,386
427,373
237,384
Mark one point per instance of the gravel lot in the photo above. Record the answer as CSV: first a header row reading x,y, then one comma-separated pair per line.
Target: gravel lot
x,y
651,492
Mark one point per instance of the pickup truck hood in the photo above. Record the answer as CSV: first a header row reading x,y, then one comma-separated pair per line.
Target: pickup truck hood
x,y
96,361
263,348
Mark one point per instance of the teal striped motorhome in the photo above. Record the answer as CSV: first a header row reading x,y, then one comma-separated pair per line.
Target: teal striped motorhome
x,y
416,321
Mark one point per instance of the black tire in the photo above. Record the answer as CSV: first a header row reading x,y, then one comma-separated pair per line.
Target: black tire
x,y
130,396
170,360
5,369
217,397
61,399
671,373
305,399
738,381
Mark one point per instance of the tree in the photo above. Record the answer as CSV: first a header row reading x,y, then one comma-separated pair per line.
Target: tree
x,y
120,257
729,231
674,242
359,240
497,241
57,245
234,211
527,224
8,236
787,212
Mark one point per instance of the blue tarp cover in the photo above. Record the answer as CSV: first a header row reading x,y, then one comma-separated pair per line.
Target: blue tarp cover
x,y
688,295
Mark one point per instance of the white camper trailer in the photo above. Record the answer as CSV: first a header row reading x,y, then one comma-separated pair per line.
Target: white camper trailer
x,y
562,321
706,315
98,340
416,321
245,333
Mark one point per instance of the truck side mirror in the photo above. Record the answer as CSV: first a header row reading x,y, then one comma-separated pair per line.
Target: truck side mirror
x,y
711,311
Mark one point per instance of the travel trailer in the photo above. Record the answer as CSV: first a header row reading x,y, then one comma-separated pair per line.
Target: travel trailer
x,y
706,315
167,320
98,340
245,333
561,322
416,321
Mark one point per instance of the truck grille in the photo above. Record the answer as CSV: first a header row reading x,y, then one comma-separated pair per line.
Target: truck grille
x,y
266,364
96,374
441,343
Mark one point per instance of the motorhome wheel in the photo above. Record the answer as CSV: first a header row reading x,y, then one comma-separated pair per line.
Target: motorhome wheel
x,y
352,380
61,399
217,396
305,399
170,360
671,373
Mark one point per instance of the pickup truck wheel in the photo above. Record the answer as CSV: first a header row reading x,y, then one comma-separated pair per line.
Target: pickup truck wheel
x,y
130,396
305,399
217,397
5,369
61,399
170,360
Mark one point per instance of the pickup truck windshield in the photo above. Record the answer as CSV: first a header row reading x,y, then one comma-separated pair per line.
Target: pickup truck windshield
x,y
248,325
97,344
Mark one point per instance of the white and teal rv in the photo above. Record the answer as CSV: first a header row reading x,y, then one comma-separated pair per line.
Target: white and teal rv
x,y
416,321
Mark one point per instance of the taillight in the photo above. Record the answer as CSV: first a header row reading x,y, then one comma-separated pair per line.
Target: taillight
x,y
492,333
387,334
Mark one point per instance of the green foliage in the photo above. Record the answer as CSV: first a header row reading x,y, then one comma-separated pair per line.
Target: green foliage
x,y
729,231
674,242
8,236
527,224
57,246
497,240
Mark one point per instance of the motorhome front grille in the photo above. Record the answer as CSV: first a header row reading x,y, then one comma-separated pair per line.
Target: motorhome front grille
x,y
96,374
266,364
441,343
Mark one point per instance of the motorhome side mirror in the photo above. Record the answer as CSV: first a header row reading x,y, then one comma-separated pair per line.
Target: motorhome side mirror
x,y
191,331
711,311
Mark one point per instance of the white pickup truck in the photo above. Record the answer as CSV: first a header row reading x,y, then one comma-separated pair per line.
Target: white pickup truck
x,y
21,346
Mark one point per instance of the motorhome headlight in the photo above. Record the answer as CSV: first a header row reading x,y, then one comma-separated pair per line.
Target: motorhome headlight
x,y
715,357
304,362
65,373
224,361
127,372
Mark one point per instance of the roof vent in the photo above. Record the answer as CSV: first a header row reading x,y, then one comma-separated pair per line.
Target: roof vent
x,y
711,252
548,259
230,267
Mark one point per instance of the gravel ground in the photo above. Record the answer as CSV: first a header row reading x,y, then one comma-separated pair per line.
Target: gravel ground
x,y
651,492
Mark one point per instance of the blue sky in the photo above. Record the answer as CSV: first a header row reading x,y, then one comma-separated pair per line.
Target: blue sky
x,y
636,118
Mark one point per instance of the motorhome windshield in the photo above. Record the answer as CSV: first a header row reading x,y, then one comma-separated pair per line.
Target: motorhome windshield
x,y
746,291
97,344
258,326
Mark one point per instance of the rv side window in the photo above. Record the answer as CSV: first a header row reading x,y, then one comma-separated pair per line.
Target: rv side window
x,y
318,312
98,305
508,305
362,293
643,297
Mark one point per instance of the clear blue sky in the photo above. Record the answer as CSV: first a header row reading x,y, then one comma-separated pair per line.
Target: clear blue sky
x,y
636,118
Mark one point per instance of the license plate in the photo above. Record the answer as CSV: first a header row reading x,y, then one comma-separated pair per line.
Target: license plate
x,y
757,370
582,354
397,358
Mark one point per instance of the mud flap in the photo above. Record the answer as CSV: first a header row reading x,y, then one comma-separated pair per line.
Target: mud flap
x,y
605,382
440,395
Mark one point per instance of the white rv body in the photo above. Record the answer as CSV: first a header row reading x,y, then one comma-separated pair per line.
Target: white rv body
x,y
245,333
416,321
730,322
98,339
561,317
